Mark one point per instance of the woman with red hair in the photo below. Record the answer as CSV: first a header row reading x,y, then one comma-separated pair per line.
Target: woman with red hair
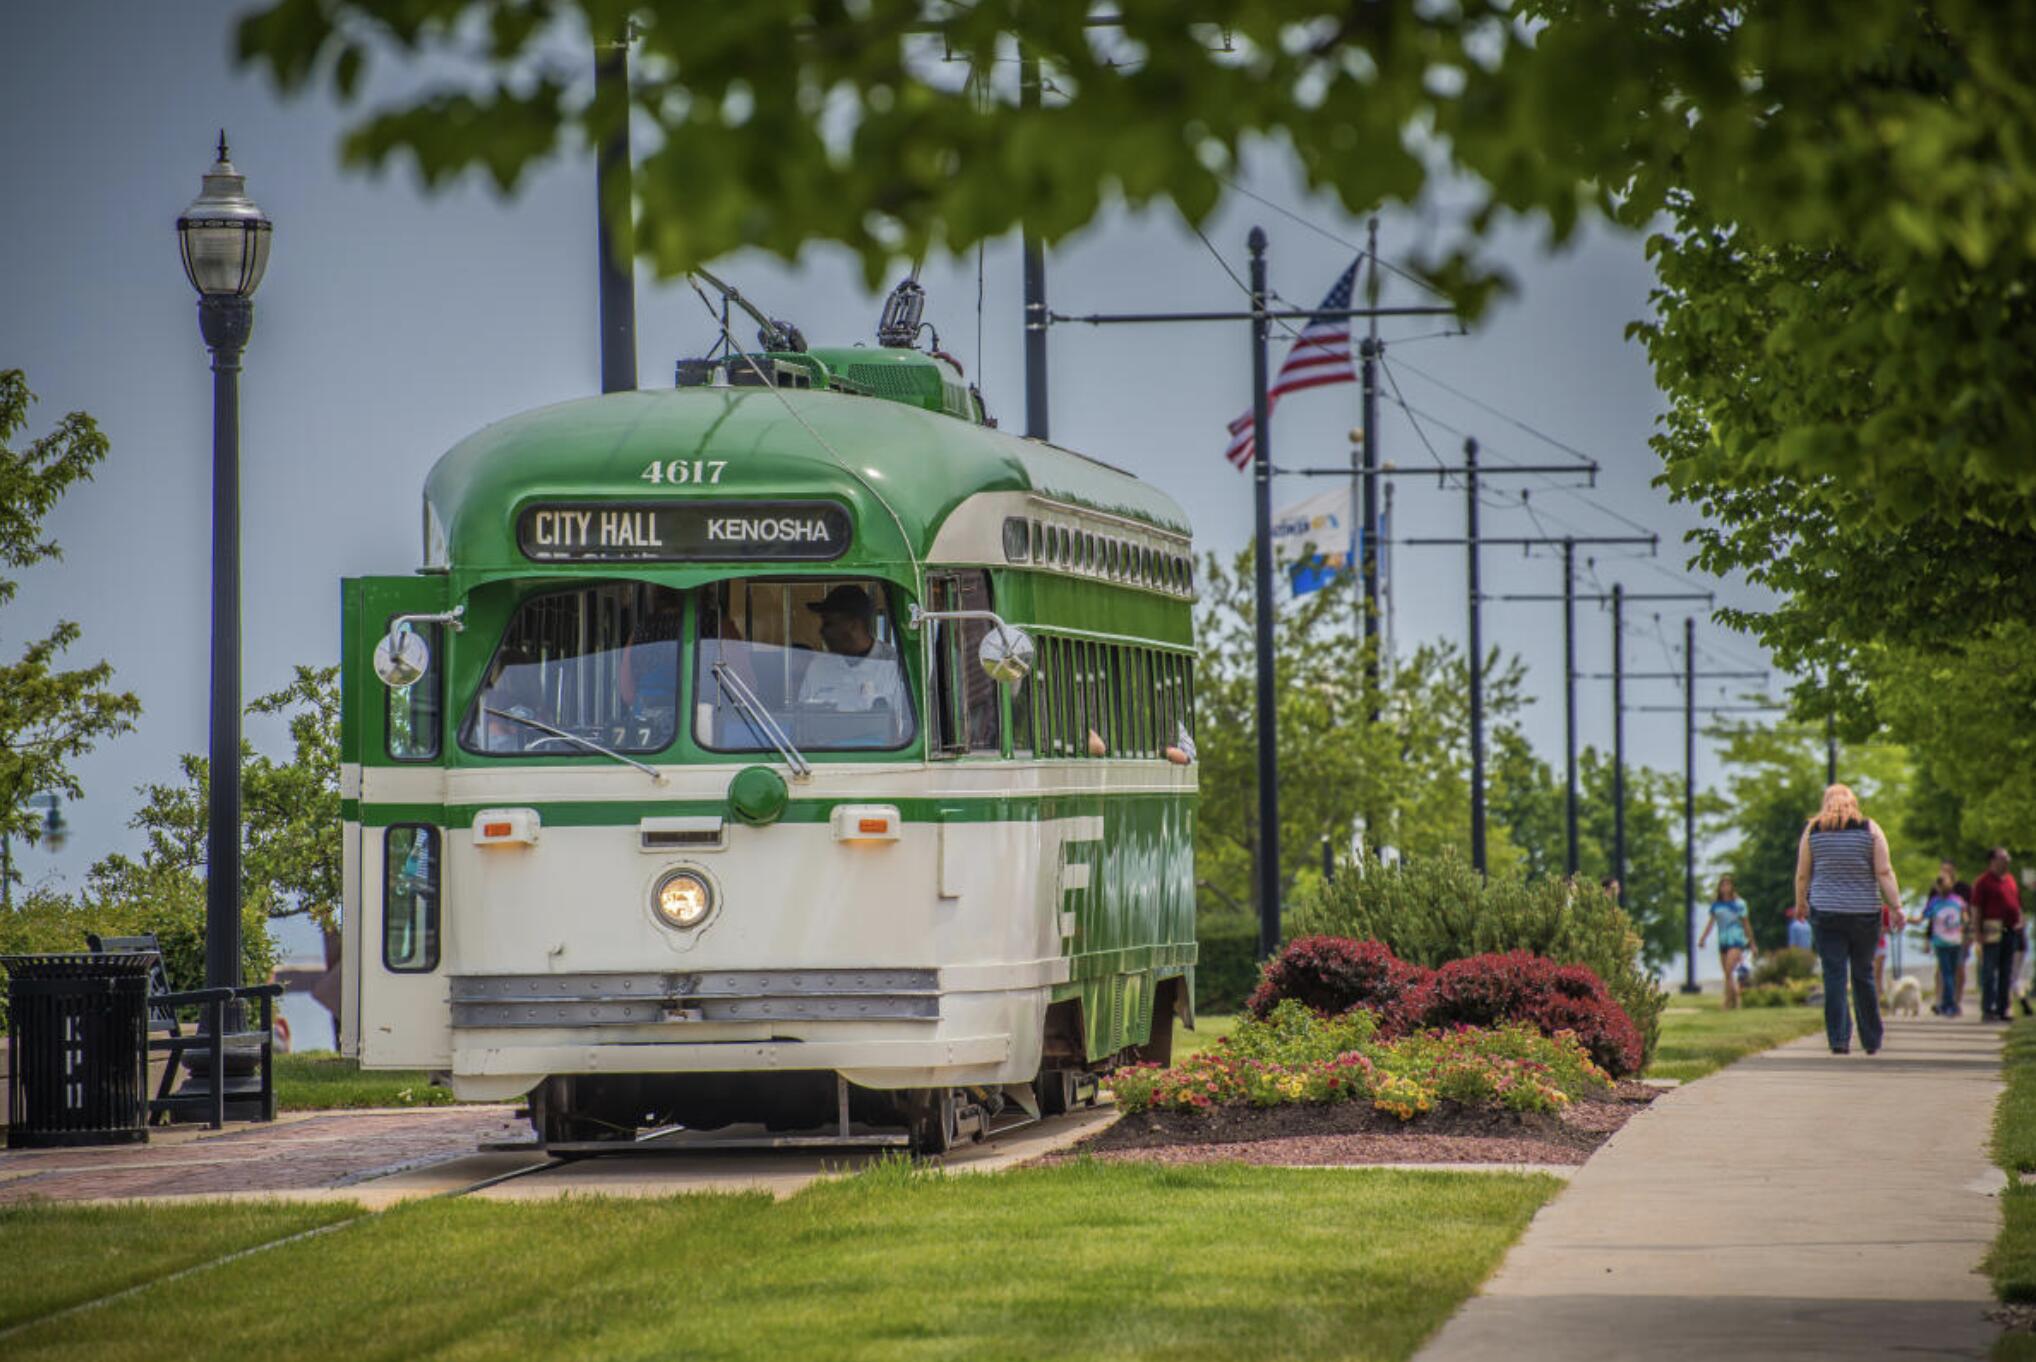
x,y
1842,874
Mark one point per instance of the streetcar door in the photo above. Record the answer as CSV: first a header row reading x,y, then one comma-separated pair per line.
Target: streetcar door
x,y
396,934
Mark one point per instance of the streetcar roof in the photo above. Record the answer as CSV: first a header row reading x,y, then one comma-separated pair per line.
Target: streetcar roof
x,y
785,443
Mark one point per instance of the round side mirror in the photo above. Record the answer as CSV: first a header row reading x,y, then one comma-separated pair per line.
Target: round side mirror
x,y
402,657
1006,654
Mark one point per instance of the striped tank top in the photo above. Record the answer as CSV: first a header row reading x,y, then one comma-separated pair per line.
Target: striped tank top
x,y
1841,870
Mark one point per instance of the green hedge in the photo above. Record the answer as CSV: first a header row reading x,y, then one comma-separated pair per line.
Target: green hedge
x,y
1438,909
45,923
1226,966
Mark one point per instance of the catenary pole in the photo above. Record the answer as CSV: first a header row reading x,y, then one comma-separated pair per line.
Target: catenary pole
x,y
615,216
1035,281
1690,802
1268,735
1619,740
1570,861
1477,661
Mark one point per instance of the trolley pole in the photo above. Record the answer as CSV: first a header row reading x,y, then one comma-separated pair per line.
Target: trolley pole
x,y
1477,660
1035,281
1268,733
614,189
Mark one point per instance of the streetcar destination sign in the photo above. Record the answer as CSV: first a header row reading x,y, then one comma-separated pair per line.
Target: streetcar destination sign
x,y
684,531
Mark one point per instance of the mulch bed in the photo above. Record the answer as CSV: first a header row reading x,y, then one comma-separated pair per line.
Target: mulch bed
x,y
1351,1132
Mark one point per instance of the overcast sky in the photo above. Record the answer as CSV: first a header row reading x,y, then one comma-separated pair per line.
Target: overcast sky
x,y
391,324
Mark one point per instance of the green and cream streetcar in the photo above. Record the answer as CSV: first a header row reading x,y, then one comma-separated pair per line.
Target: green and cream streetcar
x,y
790,748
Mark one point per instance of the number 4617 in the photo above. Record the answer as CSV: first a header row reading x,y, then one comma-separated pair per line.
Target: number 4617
x,y
705,471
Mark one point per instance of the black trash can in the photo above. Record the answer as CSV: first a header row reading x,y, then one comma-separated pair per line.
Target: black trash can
x,y
77,1049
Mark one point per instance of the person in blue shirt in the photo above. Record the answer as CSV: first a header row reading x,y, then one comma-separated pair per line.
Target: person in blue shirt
x,y
1944,916
1728,919
1800,936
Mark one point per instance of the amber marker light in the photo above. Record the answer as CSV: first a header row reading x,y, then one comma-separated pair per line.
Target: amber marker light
x,y
497,829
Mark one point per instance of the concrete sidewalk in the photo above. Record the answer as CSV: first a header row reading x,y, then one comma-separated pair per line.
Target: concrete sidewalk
x,y
1798,1205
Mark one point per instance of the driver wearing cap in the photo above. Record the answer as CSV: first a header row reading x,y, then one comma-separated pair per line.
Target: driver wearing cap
x,y
856,674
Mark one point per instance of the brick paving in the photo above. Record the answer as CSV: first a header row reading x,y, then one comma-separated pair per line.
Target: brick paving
x,y
301,1152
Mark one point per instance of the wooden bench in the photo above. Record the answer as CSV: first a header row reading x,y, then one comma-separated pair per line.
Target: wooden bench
x,y
166,1036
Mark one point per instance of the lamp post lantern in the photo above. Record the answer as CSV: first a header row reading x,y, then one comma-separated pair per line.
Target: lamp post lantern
x,y
224,240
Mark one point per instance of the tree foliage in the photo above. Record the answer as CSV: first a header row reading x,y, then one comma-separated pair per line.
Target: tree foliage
x,y
291,855
1401,778
893,126
49,717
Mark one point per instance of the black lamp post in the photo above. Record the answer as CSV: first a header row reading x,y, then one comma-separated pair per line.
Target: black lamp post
x,y
224,239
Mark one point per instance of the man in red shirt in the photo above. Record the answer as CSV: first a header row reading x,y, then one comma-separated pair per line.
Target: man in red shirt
x,y
1997,903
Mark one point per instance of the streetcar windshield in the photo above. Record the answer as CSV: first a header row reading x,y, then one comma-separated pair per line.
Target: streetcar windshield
x,y
599,663
820,657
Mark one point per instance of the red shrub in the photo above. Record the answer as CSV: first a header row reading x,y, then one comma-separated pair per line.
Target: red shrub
x,y
1486,990
1333,974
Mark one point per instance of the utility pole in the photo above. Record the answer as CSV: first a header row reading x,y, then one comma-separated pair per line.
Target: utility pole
x,y
615,217
1363,485
1035,280
1830,749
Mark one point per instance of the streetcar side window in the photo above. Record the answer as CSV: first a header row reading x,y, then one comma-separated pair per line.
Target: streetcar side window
x,y
964,698
410,898
1069,699
415,714
590,664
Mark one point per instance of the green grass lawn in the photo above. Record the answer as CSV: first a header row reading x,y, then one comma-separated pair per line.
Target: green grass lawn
x,y
318,1080
1107,1261
59,1256
2012,1261
1699,1037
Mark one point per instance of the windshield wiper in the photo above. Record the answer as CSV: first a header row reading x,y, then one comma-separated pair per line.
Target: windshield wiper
x,y
588,743
760,719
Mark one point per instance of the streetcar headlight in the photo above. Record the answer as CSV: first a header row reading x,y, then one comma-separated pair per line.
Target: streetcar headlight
x,y
683,899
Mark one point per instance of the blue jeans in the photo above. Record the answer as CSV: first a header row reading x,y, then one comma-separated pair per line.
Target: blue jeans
x,y
1845,945
1950,959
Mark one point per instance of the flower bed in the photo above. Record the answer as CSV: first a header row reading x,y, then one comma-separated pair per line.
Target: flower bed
x,y
1336,976
1294,1055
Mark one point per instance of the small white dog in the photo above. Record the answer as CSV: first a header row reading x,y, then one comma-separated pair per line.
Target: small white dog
x,y
1906,997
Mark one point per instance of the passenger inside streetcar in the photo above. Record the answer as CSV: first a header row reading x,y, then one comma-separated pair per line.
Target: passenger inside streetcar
x,y
819,658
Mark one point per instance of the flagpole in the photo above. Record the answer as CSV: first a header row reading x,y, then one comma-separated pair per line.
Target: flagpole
x,y
1368,601
1268,732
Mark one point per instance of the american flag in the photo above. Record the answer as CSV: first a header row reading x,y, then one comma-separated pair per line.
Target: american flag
x,y
1320,356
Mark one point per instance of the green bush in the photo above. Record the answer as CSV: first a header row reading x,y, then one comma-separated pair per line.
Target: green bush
x,y
1438,909
1787,993
44,923
1791,962
1226,964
